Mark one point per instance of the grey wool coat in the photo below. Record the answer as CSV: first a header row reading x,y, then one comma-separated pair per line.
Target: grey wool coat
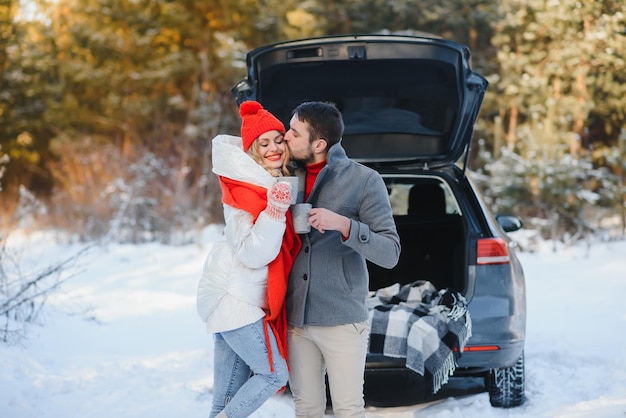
x,y
328,283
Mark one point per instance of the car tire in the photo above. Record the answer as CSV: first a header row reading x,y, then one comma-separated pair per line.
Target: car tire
x,y
506,385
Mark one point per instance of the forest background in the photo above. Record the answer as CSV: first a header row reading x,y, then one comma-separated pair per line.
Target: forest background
x,y
107,107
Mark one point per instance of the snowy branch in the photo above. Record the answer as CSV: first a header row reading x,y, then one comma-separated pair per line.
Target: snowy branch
x,y
22,296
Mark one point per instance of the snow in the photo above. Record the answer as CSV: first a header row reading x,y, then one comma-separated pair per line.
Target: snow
x,y
122,339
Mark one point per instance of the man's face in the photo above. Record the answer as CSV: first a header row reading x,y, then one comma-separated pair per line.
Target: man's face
x,y
298,141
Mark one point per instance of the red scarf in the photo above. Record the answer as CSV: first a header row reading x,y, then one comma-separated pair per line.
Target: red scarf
x,y
253,199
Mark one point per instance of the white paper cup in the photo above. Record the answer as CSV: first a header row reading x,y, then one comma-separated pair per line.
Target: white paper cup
x,y
300,213
293,183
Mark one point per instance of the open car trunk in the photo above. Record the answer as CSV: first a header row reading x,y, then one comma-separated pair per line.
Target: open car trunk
x,y
432,235
404,99
434,247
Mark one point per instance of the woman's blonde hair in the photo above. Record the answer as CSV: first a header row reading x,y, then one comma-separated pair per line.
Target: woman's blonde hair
x,y
253,152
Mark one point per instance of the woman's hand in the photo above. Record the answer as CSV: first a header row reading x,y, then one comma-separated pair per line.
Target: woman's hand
x,y
278,200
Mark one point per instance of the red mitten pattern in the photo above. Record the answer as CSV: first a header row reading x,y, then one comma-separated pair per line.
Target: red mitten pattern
x,y
278,200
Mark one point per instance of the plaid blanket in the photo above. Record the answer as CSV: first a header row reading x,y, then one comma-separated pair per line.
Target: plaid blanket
x,y
421,324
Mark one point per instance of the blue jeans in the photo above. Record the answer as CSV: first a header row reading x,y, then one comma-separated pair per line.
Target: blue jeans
x,y
242,377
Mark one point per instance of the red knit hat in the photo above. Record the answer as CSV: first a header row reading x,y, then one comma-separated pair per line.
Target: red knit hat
x,y
255,121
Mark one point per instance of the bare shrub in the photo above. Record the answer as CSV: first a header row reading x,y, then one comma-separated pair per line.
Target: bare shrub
x,y
135,196
24,294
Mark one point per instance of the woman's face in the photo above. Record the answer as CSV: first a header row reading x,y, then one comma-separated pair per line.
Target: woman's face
x,y
271,148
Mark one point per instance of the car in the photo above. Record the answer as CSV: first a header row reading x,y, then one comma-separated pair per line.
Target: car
x,y
409,105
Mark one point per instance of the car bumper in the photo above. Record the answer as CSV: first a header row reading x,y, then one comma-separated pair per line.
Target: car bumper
x,y
469,363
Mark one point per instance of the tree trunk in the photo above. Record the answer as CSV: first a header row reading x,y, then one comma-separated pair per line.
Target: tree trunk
x,y
511,136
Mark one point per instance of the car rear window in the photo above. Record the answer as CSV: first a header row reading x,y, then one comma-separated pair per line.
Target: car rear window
x,y
426,197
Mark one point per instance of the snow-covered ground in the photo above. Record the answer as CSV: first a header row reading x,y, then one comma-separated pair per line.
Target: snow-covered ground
x,y
122,339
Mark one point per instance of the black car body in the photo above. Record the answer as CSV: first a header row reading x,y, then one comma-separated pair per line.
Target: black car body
x,y
409,105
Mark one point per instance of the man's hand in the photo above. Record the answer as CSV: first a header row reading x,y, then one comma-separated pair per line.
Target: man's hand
x,y
326,220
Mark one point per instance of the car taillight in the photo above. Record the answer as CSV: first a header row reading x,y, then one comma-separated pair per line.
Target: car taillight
x,y
477,348
492,251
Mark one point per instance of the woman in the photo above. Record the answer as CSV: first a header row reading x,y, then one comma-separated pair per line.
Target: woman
x,y
244,280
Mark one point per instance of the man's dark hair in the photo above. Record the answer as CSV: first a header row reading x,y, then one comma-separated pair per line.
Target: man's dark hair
x,y
324,119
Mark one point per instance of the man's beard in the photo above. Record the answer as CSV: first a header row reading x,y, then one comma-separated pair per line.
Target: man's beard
x,y
306,159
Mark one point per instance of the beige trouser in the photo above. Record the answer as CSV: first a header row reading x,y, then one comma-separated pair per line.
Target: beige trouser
x,y
338,351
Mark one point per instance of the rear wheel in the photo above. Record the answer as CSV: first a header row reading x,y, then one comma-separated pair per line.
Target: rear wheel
x,y
506,385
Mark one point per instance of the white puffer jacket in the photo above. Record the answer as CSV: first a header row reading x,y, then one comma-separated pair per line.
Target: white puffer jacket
x,y
233,285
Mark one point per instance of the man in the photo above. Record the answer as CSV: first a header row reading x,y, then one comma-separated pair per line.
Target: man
x,y
351,222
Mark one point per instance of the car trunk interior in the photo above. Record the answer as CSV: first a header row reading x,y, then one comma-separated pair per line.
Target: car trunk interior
x,y
431,231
